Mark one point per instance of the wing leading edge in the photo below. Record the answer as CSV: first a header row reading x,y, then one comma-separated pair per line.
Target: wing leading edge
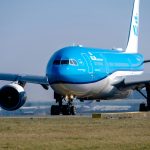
x,y
42,80
135,83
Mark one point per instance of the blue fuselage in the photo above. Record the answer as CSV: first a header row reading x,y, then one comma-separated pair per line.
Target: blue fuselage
x,y
79,67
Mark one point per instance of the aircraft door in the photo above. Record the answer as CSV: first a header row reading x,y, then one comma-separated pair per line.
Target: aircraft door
x,y
100,65
88,63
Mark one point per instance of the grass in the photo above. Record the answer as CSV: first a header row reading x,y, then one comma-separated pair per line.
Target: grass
x,y
74,133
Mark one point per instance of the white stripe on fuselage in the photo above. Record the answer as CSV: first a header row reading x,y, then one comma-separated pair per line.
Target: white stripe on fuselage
x,y
96,90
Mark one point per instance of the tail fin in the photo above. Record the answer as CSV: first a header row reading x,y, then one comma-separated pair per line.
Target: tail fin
x,y
132,46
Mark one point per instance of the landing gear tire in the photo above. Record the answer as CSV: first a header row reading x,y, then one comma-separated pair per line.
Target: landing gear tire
x,y
143,107
68,110
73,110
55,110
65,110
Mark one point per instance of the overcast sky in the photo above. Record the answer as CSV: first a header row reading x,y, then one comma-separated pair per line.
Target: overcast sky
x,y
31,30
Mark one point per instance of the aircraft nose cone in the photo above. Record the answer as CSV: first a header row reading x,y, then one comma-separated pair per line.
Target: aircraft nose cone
x,y
58,74
62,73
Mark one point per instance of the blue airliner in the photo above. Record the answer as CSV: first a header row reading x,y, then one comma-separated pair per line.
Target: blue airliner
x,y
83,73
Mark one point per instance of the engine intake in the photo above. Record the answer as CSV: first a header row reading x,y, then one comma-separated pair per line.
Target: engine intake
x,y
12,97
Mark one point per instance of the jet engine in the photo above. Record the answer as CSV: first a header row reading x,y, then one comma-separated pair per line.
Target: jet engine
x,y
12,97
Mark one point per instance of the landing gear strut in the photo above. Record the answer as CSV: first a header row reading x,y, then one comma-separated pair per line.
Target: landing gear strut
x,y
68,109
143,106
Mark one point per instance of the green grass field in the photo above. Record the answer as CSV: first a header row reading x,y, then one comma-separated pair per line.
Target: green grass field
x,y
74,133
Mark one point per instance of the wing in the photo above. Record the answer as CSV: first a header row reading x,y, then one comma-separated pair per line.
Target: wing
x,y
42,80
136,82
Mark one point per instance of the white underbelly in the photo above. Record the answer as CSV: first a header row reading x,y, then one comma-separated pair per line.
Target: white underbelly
x,y
101,89
79,90
93,90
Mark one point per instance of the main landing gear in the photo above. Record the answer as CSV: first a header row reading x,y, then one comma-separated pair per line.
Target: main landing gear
x,y
143,106
68,109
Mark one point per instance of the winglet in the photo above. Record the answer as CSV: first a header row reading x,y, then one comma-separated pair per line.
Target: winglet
x,y
132,46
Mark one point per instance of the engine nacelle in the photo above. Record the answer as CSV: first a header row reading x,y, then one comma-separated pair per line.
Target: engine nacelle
x,y
12,97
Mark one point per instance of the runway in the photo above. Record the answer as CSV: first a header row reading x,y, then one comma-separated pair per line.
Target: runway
x,y
117,115
122,115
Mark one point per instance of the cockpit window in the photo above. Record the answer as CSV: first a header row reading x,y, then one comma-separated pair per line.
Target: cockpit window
x,y
73,62
65,62
56,62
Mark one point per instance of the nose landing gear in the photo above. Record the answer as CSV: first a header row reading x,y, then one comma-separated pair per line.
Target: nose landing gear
x,y
60,109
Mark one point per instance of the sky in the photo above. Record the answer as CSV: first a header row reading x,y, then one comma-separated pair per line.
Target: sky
x,y
32,30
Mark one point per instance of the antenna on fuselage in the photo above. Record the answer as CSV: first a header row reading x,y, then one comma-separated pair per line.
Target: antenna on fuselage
x,y
78,45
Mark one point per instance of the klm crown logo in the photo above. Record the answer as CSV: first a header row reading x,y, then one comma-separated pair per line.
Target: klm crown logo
x,y
135,26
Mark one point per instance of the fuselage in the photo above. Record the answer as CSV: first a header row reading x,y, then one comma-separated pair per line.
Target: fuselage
x,y
89,73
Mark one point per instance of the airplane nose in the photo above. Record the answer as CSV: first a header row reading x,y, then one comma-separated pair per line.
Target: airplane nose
x,y
58,74
62,73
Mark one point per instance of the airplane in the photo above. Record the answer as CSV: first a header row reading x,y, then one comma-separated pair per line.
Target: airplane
x,y
85,73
